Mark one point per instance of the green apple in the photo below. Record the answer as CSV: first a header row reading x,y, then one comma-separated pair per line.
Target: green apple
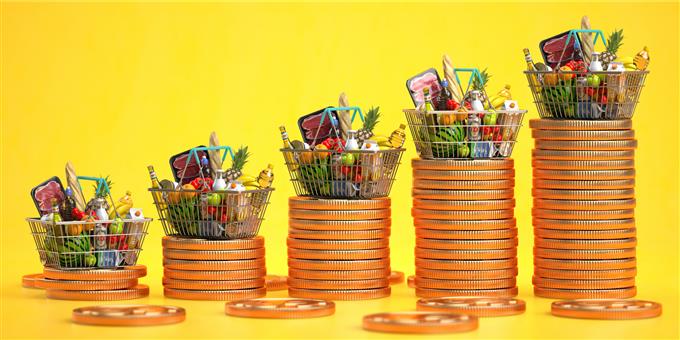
x,y
214,199
348,159
593,80
463,150
116,227
90,260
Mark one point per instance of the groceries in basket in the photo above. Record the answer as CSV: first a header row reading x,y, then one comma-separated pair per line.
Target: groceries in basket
x,y
578,82
324,164
204,200
73,232
450,121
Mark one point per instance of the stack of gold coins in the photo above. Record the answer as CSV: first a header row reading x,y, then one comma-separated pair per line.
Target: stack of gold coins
x,y
93,285
339,249
220,270
466,235
583,212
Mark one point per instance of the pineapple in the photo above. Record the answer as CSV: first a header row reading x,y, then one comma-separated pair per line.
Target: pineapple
x,y
370,121
614,42
237,164
100,192
479,85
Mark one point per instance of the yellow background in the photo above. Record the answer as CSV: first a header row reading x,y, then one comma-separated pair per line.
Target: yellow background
x,y
115,87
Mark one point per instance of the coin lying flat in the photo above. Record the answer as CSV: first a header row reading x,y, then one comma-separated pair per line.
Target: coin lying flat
x,y
467,195
213,265
422,282
612,184
343,295
85,285
585,264
465,225
489,254
583,165
583,215
624,243
463,185
182,243
477,164
585,274
396,277
493,234
464,205
136,292
467,274
591,225
29,280
306,203
607,254
466,264
338,234
339,274
319,225
215,295
420,322
338,245
463,215
213,255
213,285
339,265
432,293
276,282
606,309
553,293
411,281
338,254
585,204
280,308
133,272
461,175
584,195
339,215
584,175
630,144
583,284
570,124
479,306
214,275
128,315
466,244
591,135
338,284
568,155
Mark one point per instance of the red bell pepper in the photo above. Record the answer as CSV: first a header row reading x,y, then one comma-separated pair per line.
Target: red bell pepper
x,y
201,184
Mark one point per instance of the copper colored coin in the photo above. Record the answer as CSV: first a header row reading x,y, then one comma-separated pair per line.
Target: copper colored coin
x,y
585,244
606,309
583,215
613,184
463,215
463,175
479,306
466,264
591,225
338,254
466,234
450,164
420,322
133,272
214,275
215,295
583,165
464,205
464,185
307,203
464,284
570,124
467,274
214,265
592,135
339,265
343,295
489,254
182,243
466,244
339,274
553,293
213,255
585,145
396,277
276,282
585,274
338,285
582,284
128,315
432,293
85,285
411,281
136,292
467,195
338,245
339,234
318,225
583,195
476,225
29,280
585,264
607,254
339,215
568,155
213,285
584,175
280,308
584,205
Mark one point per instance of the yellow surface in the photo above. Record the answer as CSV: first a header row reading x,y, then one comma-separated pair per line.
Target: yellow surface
x,y
115,87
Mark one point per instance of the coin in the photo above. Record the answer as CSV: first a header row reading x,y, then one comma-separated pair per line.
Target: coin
x,y
411,281
584,175
472,225
476,164
584,205
214,275
583,195
213,285
466,234
585,264
340,215
466,264
583,165
585,145
339,274
585,244
467,195
306,203
606,309
584,225
464,284
466,244
583,284
276,282
215,295
479,306
339,265
489,254
432,293
216,255
85,285
345,295
584,185
338,285
463,215
339,225
569,155
338,245
280,308
420,322
338,234
607,254
133,272
464,205
29,280
583,215
553,293
458,175
585,274
396,277
570,124
463,185
182,243
338,254
136,292
213,265
592,135
467,274
128,315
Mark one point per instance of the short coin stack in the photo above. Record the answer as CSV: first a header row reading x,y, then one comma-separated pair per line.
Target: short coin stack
x,y
583,212
466,235
220,270
339,249
93,285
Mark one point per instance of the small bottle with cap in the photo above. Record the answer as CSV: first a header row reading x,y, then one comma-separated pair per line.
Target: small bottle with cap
x,y
398,136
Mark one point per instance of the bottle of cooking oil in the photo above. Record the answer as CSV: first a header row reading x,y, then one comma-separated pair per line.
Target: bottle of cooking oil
x,y
266,177
398,136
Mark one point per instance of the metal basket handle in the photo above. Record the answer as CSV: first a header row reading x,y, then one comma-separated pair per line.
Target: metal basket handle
x,y
574,32
101,183
194,152
474,72
327,112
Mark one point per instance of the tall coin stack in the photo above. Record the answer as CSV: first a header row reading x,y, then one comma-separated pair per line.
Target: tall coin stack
x,y
339,249
466,235
583,212
220,270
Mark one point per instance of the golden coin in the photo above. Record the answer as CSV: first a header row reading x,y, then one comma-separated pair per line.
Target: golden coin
x,y
340,215
583,195
420,322
214,275
213,265
585,264
216,255
462,175
584,175
215,295
585,145
396,277
133,272
489,254
571,124
464,284
585,274
339,274
467,274
136,292
584,205
466,264
583,165
338,234
464,205
338,245
466,244
479,306
467,195
433,293
128,315
476,225
339,225
463,215
182,243
450,164
582,284
466,234
338,254
276,282
585,244
591,135
554,293
339,265
280,308
606,309
569,155
85,285
463,185
29,280
213,285
585,225
307,203
411,281
338,285
584,185
583,215
606,254
343,295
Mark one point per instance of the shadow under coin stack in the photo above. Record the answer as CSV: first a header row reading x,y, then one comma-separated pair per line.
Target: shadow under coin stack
x,y
220,270
93,285
466,235
583,212
339,249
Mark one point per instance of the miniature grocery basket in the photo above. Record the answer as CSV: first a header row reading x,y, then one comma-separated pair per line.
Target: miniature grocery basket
x,y
77,245
450,134
323,174
208,214
581,94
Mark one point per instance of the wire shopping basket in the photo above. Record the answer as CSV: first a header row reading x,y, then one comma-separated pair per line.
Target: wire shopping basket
x,y
204,213
582,94
89,244
339,173
464,134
